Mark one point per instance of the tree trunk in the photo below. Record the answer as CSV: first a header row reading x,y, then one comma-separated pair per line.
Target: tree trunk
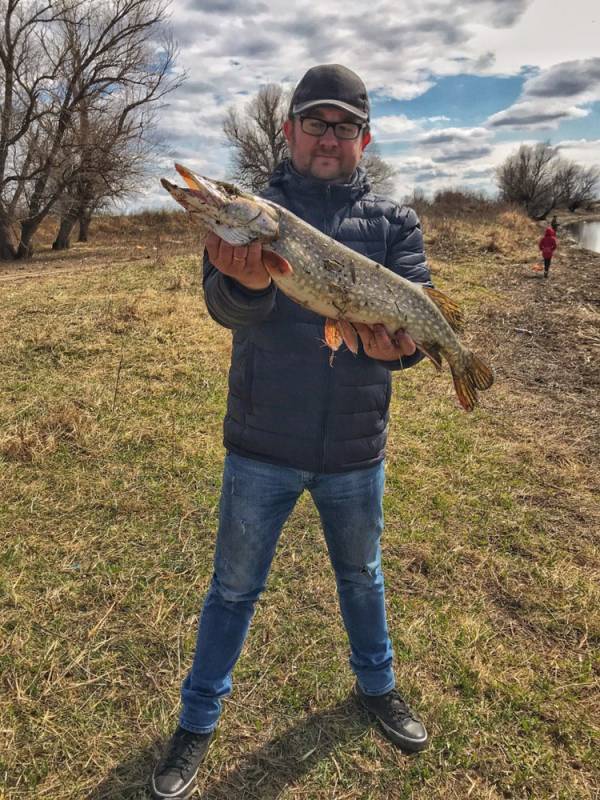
x,y
84,226
8,241
25,248
67,224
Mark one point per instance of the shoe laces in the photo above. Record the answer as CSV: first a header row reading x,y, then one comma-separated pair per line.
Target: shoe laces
x,y
397,706
181,752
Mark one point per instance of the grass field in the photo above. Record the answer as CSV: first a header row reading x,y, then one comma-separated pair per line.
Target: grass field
x,y
113,385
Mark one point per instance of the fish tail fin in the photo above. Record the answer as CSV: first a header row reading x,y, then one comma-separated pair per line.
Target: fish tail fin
x,y
475,374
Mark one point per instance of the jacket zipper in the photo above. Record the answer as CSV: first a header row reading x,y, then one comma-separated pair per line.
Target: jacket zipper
x,y
326,230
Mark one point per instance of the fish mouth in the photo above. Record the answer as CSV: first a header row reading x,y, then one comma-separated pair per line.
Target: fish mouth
x,y
203,189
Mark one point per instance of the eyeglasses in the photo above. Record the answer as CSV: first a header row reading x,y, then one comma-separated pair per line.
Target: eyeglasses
x,y
318,127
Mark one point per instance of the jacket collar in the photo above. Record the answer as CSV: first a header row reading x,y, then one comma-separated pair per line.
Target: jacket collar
x,y
291,182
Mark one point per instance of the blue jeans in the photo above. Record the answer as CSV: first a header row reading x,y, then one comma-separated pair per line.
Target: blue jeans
x,y
256,500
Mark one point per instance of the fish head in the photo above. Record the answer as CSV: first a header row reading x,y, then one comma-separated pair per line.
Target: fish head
x,y
237,217
251,214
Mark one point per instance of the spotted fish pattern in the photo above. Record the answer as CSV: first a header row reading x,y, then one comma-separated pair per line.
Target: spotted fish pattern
x,y
332,280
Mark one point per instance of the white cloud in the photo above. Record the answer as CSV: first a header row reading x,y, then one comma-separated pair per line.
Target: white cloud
x,y
230,48
394,128
536,115
453,135
545,34
397,53
584,151
560,92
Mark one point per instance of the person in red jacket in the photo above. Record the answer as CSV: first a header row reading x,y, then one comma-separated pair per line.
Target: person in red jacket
x,y
548,245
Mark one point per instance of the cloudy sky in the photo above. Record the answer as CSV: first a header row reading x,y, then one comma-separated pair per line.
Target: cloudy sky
x,y
455,85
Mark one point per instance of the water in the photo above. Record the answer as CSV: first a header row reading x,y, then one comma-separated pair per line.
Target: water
x,y
587,234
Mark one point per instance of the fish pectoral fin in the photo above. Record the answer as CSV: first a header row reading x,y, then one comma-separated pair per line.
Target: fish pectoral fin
x,y
448,308
432,351
276,264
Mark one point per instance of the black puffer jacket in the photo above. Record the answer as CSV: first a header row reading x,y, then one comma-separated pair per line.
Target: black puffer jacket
x,y
286,404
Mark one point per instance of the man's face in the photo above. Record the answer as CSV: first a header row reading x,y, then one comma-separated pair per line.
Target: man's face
x,y
325,157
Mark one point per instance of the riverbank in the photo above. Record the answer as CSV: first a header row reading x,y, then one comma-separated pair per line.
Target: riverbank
x,y
566,217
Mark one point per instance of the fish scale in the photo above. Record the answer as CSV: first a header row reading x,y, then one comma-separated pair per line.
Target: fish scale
x,y
339,283
334,281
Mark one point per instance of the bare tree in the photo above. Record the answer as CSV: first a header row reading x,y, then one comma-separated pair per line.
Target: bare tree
x,y
536,178
110,146
27,72
111,159
527,177
56,57
256,137
381,173
583,187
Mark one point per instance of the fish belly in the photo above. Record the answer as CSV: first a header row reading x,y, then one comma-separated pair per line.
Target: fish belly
x,y
347,289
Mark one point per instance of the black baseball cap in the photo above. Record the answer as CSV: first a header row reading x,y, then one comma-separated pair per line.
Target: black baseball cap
x,y
331,85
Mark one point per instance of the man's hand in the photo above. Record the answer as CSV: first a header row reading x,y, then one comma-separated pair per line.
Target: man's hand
x,y
243,264
377,344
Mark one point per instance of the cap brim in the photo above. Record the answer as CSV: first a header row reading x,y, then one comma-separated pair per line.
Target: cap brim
x,y
298,109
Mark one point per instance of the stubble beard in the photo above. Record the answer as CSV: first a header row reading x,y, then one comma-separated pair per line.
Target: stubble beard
x,y
334,173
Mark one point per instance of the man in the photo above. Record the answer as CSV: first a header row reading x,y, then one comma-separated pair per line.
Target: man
x,y
294,422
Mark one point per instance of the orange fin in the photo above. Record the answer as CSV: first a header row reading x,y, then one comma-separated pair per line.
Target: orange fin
x,y
481,375
449,309
476,375
274,263
349,335
333,336
432,351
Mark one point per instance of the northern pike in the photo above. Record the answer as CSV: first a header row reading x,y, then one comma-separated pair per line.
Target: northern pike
x,y
334,281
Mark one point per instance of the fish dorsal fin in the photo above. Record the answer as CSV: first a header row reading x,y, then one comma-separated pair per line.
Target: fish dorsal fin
x,y
449,309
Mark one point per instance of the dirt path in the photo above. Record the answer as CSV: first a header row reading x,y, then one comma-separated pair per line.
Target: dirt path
x,y
545,342
80,258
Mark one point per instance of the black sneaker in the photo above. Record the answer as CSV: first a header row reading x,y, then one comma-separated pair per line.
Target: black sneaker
x,y
399,723
175,773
